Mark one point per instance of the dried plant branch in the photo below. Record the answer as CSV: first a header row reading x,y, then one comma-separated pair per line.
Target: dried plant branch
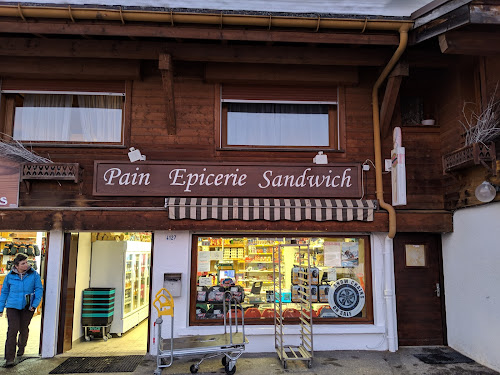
x,y
17,152
483,127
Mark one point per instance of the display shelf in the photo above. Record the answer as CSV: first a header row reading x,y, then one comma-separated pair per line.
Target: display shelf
x,y
258,261
256,271
256,281
260,253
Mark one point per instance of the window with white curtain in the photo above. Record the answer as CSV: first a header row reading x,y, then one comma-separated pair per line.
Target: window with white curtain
x,y
69,117
266,117
278,124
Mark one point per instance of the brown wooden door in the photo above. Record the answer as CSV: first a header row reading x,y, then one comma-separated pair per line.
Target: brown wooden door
x,y
419,304
67,298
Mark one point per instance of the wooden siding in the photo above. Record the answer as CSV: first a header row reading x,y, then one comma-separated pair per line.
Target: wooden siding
x,y
195,139
465,87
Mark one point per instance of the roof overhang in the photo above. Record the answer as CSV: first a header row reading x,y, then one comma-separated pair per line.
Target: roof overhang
x,y
221,18
462,26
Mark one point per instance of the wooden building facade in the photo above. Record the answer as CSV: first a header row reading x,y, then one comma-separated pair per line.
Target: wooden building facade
x,y
179,80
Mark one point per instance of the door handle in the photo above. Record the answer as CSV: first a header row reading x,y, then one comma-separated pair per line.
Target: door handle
x,y
438,290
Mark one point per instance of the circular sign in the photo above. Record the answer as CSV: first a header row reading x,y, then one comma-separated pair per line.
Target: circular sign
x,y
346,298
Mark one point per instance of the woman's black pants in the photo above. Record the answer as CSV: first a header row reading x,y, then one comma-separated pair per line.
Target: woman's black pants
x,y
19,321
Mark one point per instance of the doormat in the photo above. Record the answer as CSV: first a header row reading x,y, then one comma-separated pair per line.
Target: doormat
x,y
442,357
90,365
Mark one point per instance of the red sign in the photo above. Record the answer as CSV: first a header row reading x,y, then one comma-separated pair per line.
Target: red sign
x,y
227,180
9,183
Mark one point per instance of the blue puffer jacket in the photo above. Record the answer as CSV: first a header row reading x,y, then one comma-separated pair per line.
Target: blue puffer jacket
x,y
15,288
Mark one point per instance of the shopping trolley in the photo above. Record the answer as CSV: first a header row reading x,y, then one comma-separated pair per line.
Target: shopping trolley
x,y
230,345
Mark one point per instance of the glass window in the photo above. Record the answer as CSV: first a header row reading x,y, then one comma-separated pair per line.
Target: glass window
x,y
277,124
66,117
340,284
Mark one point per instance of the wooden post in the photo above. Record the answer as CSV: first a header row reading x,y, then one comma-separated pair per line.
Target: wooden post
x,y
391,95
167,75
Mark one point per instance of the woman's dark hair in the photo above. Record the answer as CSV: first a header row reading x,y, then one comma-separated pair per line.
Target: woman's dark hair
x,y
19,258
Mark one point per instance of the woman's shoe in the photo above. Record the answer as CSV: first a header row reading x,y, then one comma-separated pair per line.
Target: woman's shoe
x,y
9,363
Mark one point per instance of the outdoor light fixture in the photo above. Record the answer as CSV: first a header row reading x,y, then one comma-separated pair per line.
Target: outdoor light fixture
x,y
486,192
320,158
135,155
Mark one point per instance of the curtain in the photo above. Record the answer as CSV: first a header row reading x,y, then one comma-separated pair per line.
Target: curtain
x,y
43,118
100,117
273,124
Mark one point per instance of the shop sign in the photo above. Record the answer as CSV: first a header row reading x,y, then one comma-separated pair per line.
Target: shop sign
x,y
227,180
9,183
346,298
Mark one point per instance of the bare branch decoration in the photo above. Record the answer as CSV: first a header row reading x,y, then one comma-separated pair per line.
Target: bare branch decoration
x,y
485,126
15,151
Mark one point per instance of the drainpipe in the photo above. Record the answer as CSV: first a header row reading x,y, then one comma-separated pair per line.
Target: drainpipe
x,y
388,254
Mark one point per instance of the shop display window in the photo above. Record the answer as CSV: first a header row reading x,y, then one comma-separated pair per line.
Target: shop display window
x,y
340,281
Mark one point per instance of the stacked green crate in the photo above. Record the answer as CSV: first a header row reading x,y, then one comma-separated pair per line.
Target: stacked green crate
x,y
98,306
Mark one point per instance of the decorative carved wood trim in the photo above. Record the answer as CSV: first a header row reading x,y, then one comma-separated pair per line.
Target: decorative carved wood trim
x,y
50,171
468,156
167,76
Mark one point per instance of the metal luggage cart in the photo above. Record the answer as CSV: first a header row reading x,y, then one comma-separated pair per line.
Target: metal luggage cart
x,y
230,345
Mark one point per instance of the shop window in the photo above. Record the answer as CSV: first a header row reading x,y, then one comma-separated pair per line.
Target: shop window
x,y
248,266
63,116
281,117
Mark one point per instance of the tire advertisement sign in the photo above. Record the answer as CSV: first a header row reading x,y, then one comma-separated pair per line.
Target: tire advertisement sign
x,y
346,298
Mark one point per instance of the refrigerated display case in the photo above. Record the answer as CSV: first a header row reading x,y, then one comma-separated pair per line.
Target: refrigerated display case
x,y
125,266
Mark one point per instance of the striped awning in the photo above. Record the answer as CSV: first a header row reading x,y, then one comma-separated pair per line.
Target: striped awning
x,y
271,209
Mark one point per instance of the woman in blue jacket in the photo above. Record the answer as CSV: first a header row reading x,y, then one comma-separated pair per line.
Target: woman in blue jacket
x,y
21,294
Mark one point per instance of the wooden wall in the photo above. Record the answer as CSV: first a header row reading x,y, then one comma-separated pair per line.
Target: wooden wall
x,y
465,88
196,130
195,139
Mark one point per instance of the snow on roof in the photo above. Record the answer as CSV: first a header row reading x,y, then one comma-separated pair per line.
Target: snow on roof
x,y
386,8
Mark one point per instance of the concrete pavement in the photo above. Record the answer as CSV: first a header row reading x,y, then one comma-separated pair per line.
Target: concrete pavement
x,y
349,362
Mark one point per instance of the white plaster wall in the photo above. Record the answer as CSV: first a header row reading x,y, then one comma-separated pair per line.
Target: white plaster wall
x,y
82,280
471,263
173,255
52,293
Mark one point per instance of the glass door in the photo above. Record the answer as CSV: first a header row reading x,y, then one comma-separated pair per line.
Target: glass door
x,y
136,282
143,280
127,300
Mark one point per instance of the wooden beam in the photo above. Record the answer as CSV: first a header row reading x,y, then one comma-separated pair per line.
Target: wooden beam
x,y
167,76
146,220
60,27
65,68
281,74
485,13
112,49
391,95
449,21
282,55
470,43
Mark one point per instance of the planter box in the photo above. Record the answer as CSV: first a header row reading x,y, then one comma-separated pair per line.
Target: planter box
x,y
470,156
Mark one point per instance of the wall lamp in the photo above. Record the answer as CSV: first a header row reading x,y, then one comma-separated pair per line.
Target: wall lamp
x,y
486,191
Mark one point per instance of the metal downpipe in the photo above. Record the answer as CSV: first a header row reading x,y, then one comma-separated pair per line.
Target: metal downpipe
x,y
388,254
